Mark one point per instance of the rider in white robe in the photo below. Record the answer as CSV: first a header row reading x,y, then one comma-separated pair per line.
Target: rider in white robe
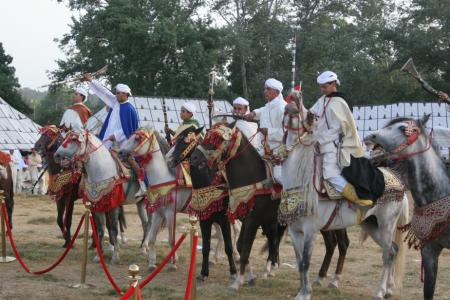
x,y
249,129
271,119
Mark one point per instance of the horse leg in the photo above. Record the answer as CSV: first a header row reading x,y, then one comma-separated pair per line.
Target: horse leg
x,y
236,229
60,207
148,226
226,230
205,228
99,221
342,242
143,216
113,217
10,206
329,239
70,201
122,225
430,258
220,241
383,236
157,220
170,221
271,233
247,238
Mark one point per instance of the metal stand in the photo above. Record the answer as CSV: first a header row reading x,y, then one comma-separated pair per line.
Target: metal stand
x,y
83,284
133,271
4,258
193,232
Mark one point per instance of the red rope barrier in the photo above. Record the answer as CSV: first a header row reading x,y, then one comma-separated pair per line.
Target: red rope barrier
x,y
102,260
187,294
19,258
164,262
139,295
129,293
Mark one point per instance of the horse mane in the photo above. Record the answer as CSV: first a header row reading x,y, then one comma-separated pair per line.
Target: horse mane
x,y
163,144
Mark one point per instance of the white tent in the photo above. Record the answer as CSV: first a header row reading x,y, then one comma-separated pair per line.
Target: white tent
x,y
17,131
150,112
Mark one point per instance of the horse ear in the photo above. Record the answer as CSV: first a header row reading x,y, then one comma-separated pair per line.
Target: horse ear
x,y
424,120
199,130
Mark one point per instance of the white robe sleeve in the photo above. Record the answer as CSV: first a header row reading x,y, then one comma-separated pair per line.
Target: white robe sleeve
x,y
275,134
103,93
258,113
119,135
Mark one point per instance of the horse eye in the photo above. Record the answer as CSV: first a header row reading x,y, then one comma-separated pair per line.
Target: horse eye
x,y
402,127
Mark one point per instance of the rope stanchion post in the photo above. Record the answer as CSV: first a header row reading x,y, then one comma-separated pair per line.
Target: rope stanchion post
x,y
193,233
84,257
4,258
134,277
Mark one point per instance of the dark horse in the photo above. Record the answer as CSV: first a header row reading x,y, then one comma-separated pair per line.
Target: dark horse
x,y
424,172
201,180
245,168
46,146
6,185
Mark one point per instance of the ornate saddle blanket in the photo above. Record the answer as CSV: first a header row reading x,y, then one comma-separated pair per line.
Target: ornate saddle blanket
x,y
394,188
63,182
428,222
207,201
104,195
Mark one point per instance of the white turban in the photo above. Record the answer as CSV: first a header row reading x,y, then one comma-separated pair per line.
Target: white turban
x,y
327,77
274,84
123,88
189,106
82,91
241,101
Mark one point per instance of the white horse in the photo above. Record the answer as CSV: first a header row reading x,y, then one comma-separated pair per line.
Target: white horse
x,y
148,146
100,166
381,221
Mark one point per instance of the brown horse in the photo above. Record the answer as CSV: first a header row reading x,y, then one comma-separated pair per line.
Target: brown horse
x,y
47,144
6,185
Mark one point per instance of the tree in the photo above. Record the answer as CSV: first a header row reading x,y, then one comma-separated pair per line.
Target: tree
x,y
9,84
158,47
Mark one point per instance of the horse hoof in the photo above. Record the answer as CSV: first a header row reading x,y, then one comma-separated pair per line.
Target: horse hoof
x,y
201,278
318,282
173,267
235,286
151,268
333,285
96,259
233,276
265,275
388,295
271,274
252,282
302,297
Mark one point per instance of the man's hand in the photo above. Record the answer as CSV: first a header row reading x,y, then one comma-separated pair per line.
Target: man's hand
x,y
168,130
250,116
444,97
263,131
87,77
112,138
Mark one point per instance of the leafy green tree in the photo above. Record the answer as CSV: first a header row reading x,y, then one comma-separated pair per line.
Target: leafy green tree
x,y
9,84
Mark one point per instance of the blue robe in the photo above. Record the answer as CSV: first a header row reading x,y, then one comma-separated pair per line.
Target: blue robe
x,y
128,120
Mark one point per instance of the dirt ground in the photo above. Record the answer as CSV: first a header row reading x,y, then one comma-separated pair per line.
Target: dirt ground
x,y
39,240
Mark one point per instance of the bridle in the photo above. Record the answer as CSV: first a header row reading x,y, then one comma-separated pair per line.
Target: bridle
x,y
82,154
145,138
192,140
412,133
52,132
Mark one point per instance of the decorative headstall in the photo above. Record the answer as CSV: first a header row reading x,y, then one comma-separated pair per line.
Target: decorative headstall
x,y
52,132
412,132
143,136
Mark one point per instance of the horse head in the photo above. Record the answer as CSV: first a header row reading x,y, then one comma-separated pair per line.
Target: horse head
x,y
142,143
72,148
185,145
49,139
402,137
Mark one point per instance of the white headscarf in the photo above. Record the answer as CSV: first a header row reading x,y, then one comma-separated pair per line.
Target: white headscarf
x,y
190,107
82,91
241,101
123,88
327,77
274,84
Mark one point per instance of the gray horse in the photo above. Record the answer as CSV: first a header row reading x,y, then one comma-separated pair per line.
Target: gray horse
x,y
426,176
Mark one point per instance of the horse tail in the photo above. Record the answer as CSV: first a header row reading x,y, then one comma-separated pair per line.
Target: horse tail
x,y
399,263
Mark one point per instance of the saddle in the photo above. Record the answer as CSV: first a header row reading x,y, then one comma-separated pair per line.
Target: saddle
x,y
123,168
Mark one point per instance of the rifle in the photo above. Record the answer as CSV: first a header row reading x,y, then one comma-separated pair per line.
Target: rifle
x,y
166,123
39,178
101,71
410,68
212,81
